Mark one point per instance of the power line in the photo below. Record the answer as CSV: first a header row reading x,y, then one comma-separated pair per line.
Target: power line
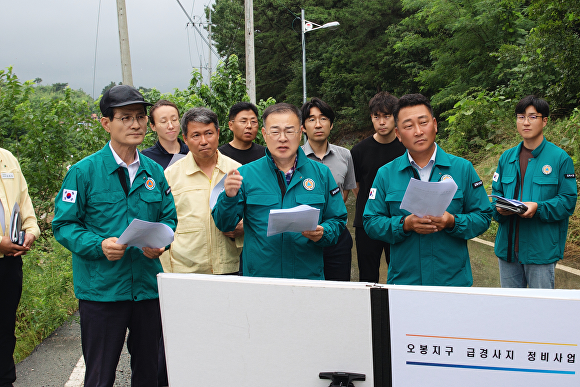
x,y
96,41
197,29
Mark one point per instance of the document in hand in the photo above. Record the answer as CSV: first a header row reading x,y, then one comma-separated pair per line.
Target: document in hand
x,y
428,197
216,191
296,219
146,234
16,233
509,204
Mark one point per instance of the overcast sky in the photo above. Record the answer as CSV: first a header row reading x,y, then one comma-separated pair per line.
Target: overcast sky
x,y
55,41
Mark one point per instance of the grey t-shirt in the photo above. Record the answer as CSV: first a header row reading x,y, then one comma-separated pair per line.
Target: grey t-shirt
x,y
339,161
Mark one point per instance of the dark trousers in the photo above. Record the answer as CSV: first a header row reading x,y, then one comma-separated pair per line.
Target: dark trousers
x,y
337,258
103,329
369,253
10,292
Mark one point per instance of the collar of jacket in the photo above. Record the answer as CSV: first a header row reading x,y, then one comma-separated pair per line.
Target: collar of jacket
x,y
191,166
515,156
111,165
441,160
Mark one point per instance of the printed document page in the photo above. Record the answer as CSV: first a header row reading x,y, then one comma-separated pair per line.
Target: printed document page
x,y
428,198
146,234
296,219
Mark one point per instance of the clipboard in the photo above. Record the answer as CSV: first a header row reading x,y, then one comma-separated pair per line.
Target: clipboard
x,y
16,233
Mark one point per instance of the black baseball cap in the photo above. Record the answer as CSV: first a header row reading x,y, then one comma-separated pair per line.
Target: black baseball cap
x,y
121,95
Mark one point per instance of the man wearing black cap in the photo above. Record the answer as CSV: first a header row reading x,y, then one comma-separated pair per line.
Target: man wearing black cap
x,y
116,285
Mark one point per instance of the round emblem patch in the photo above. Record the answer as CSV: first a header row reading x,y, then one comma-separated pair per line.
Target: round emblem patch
x,y
446,177
308,184
546,169
150,184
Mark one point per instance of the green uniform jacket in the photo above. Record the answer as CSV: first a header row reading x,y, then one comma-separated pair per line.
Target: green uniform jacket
x,y
91,206
286,255
550,181
440,258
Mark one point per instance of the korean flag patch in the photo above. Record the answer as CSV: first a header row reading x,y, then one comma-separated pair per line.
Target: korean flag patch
x,y
69,196
495,176
372,193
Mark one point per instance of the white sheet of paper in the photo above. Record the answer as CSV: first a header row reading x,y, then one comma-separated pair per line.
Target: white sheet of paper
x,y
215,192
428,197
141,233
176,157
296,219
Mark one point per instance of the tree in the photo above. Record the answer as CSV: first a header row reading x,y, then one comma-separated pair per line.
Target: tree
x,y
110,85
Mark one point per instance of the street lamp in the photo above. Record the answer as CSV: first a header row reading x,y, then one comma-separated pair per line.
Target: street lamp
x,y
306,27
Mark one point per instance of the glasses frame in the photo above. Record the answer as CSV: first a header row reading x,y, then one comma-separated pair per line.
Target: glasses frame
x,y
528,117
128,123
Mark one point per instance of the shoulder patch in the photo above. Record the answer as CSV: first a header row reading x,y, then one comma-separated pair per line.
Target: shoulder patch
x,y
334,191
495,176
69,196
477,184
570,175
372,193
167,191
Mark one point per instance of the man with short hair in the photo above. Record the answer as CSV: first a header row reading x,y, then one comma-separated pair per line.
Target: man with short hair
x,y
368,156
429,250
541,175
199,247
116,285
243,122
285,178
13,190
317,122
164,120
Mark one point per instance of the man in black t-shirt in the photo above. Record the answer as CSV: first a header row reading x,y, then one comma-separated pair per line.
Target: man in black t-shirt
x,y
368,156
243,122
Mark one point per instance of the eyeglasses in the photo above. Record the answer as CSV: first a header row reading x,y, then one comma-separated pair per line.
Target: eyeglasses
x,y
174,122
245,122
289,133
129,120
521,118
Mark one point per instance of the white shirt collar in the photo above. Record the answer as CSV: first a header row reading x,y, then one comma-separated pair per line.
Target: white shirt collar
x,y
132,168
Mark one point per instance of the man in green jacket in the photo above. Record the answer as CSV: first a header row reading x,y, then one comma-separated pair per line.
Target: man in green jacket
x,y
283,179
428,250
116,285
542,176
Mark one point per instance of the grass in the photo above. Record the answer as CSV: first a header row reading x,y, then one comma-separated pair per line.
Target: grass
x,y
47,295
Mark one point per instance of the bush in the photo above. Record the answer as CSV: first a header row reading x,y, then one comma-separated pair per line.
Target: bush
x,y
47,295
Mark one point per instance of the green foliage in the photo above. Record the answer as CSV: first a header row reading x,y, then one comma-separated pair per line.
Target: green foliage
x,y
59,132
477,122
47,295
228,87
12,93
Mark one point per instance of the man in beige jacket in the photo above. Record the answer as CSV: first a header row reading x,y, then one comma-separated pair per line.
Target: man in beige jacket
x,y
199,247
13,189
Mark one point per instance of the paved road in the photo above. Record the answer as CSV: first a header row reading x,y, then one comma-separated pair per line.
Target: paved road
x,y
52,362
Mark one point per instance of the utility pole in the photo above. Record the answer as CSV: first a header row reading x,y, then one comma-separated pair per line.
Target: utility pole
x,y
209,38
124,43
250,56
